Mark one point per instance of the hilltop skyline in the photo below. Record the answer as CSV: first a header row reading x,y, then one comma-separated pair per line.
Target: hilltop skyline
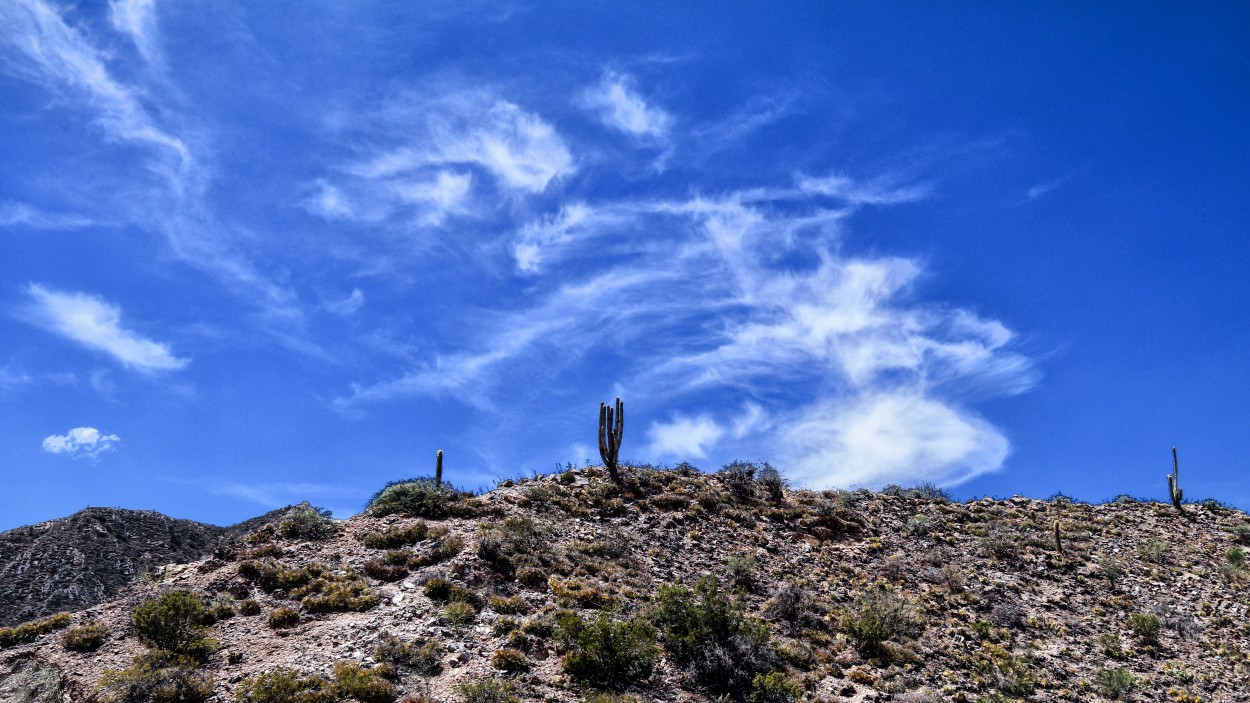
x,y
251,256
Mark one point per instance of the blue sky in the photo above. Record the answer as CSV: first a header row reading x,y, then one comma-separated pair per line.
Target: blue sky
x,y
256,253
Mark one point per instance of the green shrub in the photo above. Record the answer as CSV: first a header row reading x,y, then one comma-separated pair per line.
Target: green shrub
x,y
422,658
306,522
158,677
249,607
447,548
706,635
174,622
774,687
87,638
1235,558
1116,682
416,497
508,606
283,618
516,543
397,536
1145,626
384,571
28,631
365,685
741,570
739,479
509,660
488,691
878,615
771,481
286,686
336,593
460,613
607,653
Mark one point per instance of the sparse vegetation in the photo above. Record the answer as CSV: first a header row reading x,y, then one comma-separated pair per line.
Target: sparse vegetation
x,y
87,638
286,686
607,653
878,616
351,680
414,497
705,634
1145,626
1115,683
421,657
29,631
307,522
158,677
488,691
174,623
283,618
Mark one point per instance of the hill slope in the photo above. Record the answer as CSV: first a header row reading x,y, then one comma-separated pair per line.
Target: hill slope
x,y
823,596
77,561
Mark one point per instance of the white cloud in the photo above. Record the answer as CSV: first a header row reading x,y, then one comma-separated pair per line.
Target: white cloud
x,y
59,58
888,437
81,443
619,106
684,437
349,305
535,238
97,325
22,215
138,19
436,198
879,192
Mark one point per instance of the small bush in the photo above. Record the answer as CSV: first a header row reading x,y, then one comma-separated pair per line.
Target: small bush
x,y
336,593
286,686
249,607
531,577
283,618
739,479
1145,626
447,548
774,687
1241,534
510,660
398,536
1116,682
365,685
306,522
741,570
508,606
706,635
174,623
384,571
28,631
416,497
488,691
788,604
771,481
422,658
460,613
607,653
878,615
87,638
158,677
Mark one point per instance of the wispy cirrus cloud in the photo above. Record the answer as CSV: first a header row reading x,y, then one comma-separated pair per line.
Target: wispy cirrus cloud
x,y
38,45
81,443
755,300
618,105
97,325
137,18
22,215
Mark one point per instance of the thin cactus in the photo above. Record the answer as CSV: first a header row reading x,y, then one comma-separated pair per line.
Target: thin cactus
x,y
1058,539
1174,483
438,469
611,427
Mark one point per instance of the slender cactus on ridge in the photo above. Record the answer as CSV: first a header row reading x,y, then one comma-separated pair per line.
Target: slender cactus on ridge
x,y
610,437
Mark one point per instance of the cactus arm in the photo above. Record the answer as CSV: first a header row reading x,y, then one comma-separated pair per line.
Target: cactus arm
x,y
438,469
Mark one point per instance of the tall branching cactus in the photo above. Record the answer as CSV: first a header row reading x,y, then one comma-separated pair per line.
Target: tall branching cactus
x,y
611,427
1174,483
1058,537
438,469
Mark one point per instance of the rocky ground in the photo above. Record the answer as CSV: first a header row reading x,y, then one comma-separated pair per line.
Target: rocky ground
x,y
990,605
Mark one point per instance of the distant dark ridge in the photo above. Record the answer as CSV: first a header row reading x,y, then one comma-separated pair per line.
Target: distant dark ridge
x,y
78,561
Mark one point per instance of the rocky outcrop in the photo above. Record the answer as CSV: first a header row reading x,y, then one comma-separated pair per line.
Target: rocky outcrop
x,y
77,561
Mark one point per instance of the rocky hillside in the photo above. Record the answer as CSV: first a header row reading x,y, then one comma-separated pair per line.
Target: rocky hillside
x,y
678,586
86,558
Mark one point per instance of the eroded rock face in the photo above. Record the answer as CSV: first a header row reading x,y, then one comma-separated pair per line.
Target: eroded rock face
x,y
28,681
83,559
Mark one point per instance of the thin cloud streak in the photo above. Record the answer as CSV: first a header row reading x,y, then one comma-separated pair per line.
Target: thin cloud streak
x,y
617,104
97,325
